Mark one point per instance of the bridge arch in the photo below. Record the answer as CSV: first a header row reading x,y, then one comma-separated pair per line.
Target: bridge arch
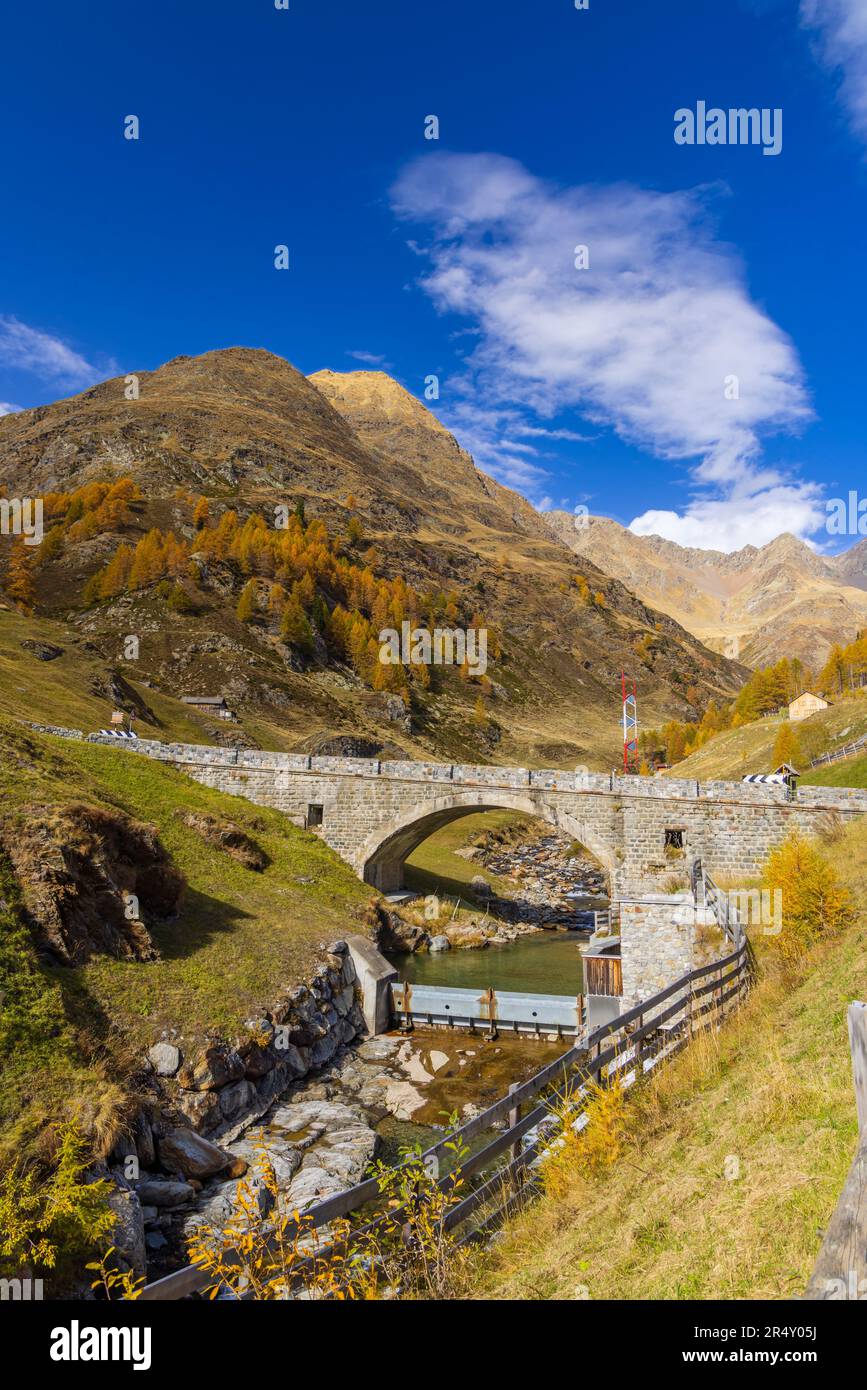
x,y
381,859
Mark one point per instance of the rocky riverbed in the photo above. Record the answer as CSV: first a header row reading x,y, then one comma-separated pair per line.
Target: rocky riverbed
x,y
554,885
544,882
323,1134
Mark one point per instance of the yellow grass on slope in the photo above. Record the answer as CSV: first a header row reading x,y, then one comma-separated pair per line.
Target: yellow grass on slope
x,y
734,1157
734,752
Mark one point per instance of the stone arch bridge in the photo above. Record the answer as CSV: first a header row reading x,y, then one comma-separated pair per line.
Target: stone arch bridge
x,y
641,829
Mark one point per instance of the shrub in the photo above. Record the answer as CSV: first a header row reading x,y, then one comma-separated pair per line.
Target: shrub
x,y
54,1222
814,903
594,1148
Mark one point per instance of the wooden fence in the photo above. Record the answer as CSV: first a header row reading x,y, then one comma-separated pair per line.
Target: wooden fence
x,y
848,751
632,1045
840,1272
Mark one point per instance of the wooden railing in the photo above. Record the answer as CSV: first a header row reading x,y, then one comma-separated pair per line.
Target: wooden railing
x,y
840,1272
839,753
632,1045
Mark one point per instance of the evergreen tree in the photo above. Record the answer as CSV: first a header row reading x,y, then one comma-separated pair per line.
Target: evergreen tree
x,y
115,576
833,677
19,577
787,748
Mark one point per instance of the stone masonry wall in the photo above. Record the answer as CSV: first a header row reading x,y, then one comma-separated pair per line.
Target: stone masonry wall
x,y
374,811
662,936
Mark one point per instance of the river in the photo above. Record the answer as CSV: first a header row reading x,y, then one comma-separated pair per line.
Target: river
x,y
547,962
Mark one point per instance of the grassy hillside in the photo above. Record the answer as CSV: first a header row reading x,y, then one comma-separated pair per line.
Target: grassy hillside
x,y
239,938
772,1091
735,752
849,772
72,689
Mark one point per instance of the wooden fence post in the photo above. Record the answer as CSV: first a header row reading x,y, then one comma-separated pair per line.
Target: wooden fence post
x,y
858,1044
840,1272
514,1117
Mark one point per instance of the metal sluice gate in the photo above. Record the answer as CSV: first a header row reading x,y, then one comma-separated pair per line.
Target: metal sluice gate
x,y
491,1010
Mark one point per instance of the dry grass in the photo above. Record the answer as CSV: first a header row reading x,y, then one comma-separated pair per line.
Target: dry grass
x,y
734,1155
734,752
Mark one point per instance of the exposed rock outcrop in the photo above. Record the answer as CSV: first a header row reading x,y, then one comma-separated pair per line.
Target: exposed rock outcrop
x,y
227,836
89,880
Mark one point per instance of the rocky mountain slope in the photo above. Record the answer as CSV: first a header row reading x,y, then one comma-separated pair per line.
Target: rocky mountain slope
x,y
755,605
400,501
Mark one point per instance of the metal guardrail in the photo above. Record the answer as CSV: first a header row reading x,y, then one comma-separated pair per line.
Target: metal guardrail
x,y
631,1044
523,1013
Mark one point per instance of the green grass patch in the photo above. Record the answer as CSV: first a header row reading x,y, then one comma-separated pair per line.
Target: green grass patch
x,y
436,867
849,772
240,937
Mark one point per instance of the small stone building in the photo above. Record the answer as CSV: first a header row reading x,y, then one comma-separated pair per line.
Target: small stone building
x,y
805,705
214,705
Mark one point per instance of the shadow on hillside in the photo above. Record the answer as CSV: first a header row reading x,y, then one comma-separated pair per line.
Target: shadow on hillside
x,y
82,1010
200,919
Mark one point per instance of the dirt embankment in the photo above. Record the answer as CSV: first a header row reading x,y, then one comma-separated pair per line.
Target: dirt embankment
x,y
86,875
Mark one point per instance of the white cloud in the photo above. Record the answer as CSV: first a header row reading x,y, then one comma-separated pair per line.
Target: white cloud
x,y
370,359
7,408
752,518
27,349
642,341
536,432
841,28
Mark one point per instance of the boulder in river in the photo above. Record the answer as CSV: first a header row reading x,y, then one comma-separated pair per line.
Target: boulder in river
x,y
182,1150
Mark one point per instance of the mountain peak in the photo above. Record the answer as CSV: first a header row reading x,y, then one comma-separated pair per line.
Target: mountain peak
x,y
755,604
375,395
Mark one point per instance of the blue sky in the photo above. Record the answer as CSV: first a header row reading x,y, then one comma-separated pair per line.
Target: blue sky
x,y
455,257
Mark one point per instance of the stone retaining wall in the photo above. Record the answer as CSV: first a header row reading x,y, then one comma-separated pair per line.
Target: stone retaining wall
x,y
218,1090
662,937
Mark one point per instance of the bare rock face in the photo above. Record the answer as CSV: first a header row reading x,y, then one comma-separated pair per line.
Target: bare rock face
x,y
43,651
214,1067
184,1151
164,1058
227,836
128,1236
392,933
156,1192
83,873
